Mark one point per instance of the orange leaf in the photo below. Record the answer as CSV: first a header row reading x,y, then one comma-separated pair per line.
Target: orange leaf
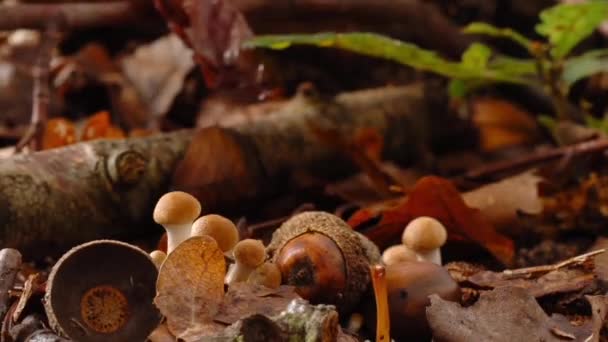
x,y
96,126
114,132
58,132
436,197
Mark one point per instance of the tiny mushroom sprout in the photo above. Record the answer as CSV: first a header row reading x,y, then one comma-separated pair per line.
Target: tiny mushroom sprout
x,y
158,257
425,235
268,274
248,255
176,211
398,253
218,227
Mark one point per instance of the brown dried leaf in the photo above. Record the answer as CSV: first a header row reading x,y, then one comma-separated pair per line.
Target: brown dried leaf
x,y
599,309
218,30
504,314
190,284
243,299
502,124
574,274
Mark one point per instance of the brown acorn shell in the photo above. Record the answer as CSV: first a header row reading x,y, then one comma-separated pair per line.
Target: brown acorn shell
x,y
356,251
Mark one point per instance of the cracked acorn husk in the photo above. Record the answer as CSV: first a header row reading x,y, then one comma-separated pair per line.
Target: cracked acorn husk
x,y
342,246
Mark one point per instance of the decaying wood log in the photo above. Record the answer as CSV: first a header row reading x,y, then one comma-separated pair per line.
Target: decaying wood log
x,y
107,188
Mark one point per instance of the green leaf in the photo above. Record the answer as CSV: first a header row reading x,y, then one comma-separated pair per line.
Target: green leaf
x,y
493,31
585,65
566,25
548,122
477,55
375,45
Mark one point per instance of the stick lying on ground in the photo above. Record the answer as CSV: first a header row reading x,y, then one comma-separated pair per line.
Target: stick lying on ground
x,y
58,198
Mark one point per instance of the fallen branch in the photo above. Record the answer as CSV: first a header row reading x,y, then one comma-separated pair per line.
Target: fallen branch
x,y
58,198
77,15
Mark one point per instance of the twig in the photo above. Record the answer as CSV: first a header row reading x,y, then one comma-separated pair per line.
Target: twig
x,y
489,170
528,271
77,15
10,262
41,92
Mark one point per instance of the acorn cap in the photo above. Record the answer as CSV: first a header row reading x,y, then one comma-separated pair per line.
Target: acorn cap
x,y
250,252
103,291
218,227
348,241
176,207
424,233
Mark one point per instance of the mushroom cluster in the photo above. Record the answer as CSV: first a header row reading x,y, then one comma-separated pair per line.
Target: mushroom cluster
x,y
178,212
422,240
413,273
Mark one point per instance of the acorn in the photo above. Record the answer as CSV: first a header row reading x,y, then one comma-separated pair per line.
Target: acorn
x,y
323,258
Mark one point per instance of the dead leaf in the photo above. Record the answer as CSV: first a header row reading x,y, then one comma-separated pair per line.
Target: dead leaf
x,y
502,202
573,274
243,299
599,309
99,126
57,133
435,197
190,284
218,30
504,314
502,124
158,70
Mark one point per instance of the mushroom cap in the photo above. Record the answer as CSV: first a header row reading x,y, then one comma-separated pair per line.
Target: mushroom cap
x,y
398,253
176,207
424,233
103,291
218,227
158,257
250,252
267,274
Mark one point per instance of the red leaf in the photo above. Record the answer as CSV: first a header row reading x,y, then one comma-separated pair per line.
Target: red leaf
x,y
435,197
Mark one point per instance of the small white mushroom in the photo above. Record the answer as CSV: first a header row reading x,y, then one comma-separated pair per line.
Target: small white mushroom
x,y
425,236
176,211
398,253
158,257
268,274
218,227
248,254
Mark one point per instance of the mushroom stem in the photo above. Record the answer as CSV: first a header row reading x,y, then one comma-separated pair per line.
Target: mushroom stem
x,y
378,273
238,272
176,234
433,255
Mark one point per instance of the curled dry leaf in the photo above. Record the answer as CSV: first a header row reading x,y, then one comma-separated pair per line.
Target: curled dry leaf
x,y
190,284
574,274
157,70
218,29
438,198
504,314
